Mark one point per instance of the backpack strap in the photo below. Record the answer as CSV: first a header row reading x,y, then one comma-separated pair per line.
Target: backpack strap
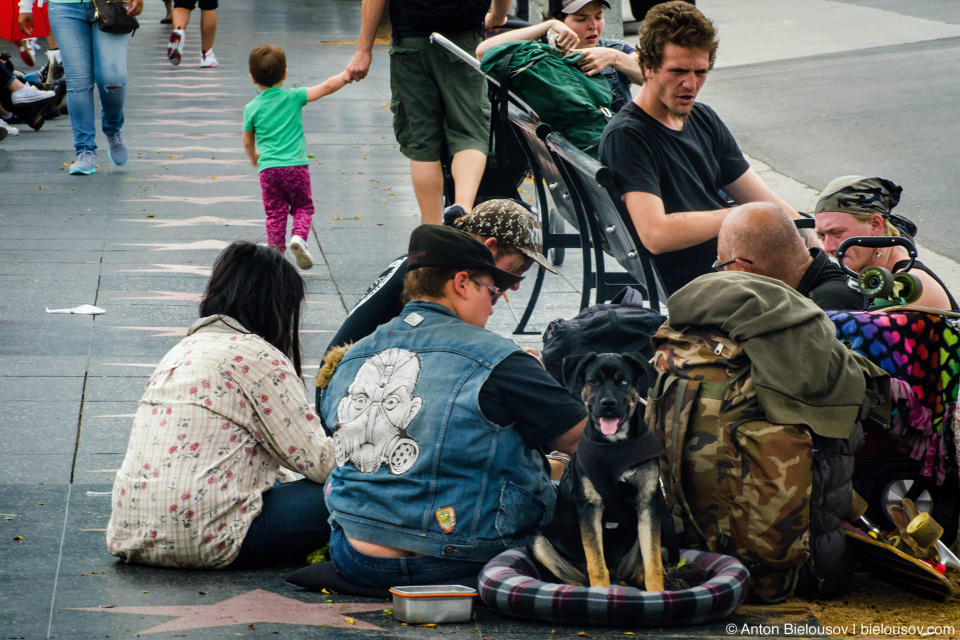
x,y
503,122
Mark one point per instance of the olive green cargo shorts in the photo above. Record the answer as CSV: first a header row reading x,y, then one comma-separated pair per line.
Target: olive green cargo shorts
x,y
435,96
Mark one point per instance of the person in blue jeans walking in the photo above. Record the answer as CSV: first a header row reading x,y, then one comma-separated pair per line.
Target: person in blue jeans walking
x,y
90,57
440,427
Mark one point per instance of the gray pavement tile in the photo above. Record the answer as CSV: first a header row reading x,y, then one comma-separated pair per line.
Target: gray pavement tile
x,y
25,388
28,567
114,389
46,422
28,338
33,468
40,366
104,431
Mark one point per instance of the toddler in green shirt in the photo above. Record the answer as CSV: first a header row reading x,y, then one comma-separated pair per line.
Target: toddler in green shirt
x,y
273,138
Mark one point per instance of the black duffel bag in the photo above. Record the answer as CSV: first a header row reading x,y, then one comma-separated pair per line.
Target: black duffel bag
x,y
622,325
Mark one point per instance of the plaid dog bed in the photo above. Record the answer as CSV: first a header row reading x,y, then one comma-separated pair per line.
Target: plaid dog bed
x,y
510,584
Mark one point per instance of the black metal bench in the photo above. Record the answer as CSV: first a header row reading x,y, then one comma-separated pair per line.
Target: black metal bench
x,y
553,208
611,228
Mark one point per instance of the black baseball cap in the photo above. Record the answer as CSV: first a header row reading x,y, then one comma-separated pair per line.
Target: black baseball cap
x,y
433,245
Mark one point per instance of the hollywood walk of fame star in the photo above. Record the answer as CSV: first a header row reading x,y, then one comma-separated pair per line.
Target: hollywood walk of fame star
x,y
171,161
215,245
198,199
257,606
167,295
193,148
142,365
193,123
182,88
166,332
190,110
162,332
194,270
193,136
199,221
193,96
193,180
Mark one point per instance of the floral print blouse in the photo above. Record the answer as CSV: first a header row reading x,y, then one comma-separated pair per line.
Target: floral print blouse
x,y
220,415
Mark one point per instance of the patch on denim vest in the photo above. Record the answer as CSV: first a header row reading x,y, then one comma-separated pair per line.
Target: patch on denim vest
x,y
373,417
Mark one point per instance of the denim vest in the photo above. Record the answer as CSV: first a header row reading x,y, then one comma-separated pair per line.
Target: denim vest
x,y
419,467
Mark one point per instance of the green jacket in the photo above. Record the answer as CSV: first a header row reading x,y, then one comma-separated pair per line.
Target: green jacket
x,y
802,373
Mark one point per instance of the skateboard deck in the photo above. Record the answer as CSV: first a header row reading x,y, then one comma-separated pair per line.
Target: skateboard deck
x,y
897,568
910,307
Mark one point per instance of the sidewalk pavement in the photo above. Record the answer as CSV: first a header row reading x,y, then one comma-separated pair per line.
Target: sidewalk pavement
x,y
139,241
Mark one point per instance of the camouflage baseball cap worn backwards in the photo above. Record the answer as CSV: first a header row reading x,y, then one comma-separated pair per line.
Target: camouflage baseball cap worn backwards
x,y
859,195
511,224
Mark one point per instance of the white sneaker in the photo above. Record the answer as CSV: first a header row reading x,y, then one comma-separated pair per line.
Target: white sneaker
x,y
208,60
30,93
9,128
300,252
175,48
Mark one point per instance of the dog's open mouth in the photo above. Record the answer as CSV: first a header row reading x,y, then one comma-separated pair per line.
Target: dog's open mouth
x,y
608,426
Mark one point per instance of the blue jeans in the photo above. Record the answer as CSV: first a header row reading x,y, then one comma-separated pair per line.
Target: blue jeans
x,y
90,57
292,525
374,571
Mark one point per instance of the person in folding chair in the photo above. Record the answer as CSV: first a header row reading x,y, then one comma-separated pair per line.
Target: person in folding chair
x,y
506,228
675,162
577,25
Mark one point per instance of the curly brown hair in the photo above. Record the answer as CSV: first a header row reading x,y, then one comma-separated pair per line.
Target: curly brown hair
x,y
677,22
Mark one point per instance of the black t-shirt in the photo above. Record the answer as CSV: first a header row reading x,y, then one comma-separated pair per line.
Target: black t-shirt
x,y
686,169
405,22
827,285
380,303
521,392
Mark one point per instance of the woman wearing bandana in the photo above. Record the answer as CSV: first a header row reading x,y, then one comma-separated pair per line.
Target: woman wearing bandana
x,y
858,206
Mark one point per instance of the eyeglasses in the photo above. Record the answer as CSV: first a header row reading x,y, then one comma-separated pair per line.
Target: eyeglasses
x,y
719,266
495,292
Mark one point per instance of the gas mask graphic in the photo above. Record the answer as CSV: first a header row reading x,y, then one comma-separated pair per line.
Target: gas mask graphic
x,y
372,418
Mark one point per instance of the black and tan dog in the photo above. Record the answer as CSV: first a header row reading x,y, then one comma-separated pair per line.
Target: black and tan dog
x,y
606,523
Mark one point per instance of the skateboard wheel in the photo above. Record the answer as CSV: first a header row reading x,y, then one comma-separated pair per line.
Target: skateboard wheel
x,y
910,287
925,530
875,282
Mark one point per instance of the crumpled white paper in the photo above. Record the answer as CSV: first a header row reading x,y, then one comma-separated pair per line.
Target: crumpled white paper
x,y
84,309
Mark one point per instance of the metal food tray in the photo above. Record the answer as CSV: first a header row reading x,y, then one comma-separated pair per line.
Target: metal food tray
x,y
433,604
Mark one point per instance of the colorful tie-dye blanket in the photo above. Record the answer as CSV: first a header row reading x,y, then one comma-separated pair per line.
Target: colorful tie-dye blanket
x,y
921,352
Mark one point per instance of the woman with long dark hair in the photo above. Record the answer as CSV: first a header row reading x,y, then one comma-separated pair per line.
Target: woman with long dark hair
x,y
223,412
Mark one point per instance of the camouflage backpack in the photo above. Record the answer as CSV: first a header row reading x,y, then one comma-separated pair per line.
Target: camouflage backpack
x,y
741,485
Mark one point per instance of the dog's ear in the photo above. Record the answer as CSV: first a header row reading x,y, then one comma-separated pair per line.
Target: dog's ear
x,y
646,373
573,370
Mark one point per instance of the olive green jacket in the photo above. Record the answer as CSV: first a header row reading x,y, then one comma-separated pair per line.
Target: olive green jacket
x,y
802,373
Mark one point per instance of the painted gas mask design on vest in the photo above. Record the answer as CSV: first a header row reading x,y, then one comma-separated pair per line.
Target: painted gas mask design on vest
x,y
372,418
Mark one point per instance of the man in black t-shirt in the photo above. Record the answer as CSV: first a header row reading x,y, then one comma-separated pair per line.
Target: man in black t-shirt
x,y
674,160
761,238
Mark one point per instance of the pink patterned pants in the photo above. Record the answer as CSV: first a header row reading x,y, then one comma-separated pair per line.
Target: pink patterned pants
x,y
286,192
